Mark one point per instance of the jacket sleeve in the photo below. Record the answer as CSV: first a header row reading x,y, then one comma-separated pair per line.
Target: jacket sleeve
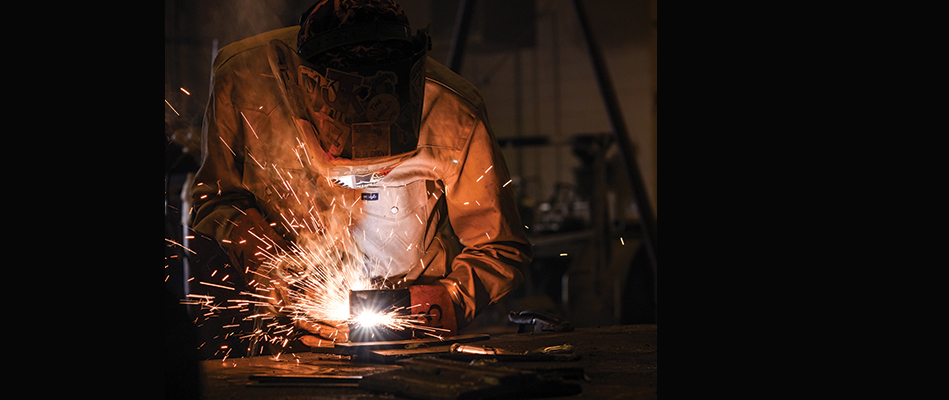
x,y
219,196
484,217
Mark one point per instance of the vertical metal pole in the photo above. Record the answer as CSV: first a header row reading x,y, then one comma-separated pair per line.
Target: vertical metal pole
x,y
185,232
622,137
460,36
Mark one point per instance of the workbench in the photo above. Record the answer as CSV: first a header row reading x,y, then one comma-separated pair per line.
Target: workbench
x,y
614,362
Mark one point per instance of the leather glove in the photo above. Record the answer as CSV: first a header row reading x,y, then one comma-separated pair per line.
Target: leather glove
x,y
323,333
244,245
434,308
251,234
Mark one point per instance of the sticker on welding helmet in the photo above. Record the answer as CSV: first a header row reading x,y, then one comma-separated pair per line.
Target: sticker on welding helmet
x,y
379,97
332,133
340,92
370,196
309,79
371,139
383,107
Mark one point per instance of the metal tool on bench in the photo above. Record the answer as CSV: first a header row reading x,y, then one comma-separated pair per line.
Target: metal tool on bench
x,y
484,350
533,321
389,351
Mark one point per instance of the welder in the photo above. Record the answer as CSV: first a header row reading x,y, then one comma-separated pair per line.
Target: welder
x,y
349,105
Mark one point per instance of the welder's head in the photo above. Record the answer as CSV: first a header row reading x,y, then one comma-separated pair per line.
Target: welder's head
x,y
356,78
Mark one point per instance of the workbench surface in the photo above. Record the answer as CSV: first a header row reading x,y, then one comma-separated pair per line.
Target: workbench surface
x,y
618,362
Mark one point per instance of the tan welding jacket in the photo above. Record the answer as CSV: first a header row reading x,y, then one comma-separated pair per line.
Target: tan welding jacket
x,y
447,215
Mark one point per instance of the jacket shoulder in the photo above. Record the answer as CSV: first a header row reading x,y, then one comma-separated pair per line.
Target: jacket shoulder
x,y
453,108
244,65
446,79
240,48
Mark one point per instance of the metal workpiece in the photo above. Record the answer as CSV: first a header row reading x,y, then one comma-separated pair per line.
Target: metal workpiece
x,y
394,303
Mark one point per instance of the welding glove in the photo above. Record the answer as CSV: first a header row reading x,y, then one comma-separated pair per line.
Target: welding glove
x,y
246,247
323,333
434,309
251,235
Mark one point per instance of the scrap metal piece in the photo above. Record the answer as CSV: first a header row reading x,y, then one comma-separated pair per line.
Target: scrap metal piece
x,y
565,348
563,352
391,356
484,350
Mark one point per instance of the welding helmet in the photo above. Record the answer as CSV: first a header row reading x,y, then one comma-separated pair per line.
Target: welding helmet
x,y
355,83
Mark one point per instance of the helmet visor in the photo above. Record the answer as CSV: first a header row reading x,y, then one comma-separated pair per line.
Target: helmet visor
x,y
359,113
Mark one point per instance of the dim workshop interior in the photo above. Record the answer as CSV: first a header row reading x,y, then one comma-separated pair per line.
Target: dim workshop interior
x,y
570,87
